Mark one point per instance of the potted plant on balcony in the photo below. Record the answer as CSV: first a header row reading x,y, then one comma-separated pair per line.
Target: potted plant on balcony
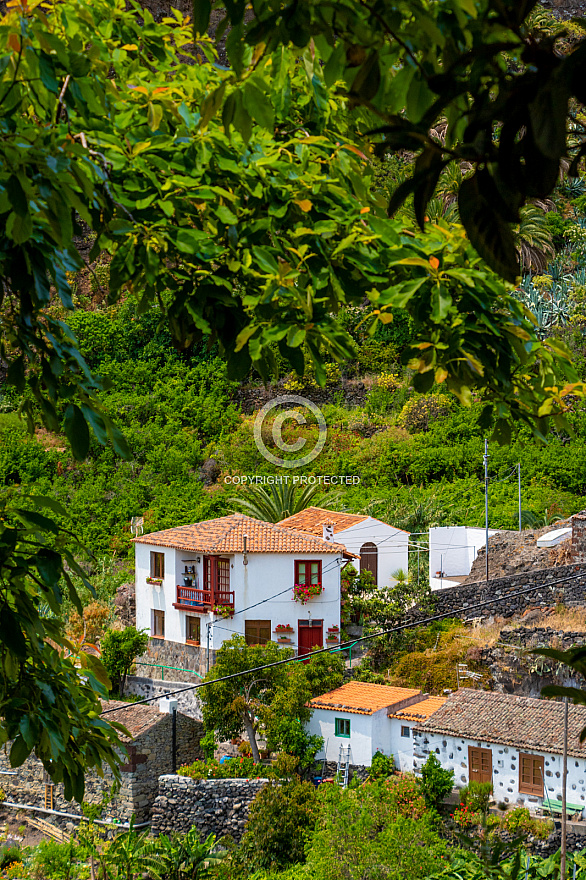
x,y
223,611
157,583
304,592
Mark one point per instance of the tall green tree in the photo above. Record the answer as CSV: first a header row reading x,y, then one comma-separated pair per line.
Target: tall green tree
x,y
271,701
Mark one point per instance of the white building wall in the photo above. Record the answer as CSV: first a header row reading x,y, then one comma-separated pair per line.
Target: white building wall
x,y
401,747
392,545
322,723
452,550
452,753
255,584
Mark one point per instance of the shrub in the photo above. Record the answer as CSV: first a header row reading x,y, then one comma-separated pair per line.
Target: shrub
x,y
9,854
120,648
405,796
282,817
53,861
436,782
382,766
421,411
235,768
476,796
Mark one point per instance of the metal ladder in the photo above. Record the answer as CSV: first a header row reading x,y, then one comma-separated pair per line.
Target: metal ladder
x,y
343,766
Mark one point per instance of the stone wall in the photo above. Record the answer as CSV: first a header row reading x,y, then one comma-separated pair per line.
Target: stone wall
x,y
190,658
579,538
213,806
149,756
549,588
188,702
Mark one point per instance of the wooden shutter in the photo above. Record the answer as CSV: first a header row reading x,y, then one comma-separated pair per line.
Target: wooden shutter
x,y
479,764
369,559
531,774
257,632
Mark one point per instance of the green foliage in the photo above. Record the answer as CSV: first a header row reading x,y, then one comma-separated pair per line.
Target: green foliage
x,y
420,411
276,702
55,861
436,782
186,857
476,796
382,766
12,853
120,648
354,839
50,691
275,503
282,819
235,768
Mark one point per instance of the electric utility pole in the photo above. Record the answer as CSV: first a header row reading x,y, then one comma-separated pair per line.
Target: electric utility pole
x,y
486,500
564,781
519,483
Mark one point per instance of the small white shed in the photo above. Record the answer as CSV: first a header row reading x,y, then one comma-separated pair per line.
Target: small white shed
x,y
369,718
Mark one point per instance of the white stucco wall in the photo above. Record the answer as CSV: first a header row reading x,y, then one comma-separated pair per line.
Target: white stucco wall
x,y
367,733
401,747
453,549
392,545
266,575
453,755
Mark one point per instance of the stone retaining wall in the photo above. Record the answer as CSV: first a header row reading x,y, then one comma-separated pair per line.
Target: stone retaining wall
x,y
549,589
213,806
188,702
526,637
149,756
191,658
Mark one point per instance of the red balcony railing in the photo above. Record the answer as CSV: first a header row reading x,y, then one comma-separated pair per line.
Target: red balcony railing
x,y
194,599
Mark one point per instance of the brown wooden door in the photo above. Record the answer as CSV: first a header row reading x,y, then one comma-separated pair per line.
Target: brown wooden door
x,y
369,559
479,764
310,635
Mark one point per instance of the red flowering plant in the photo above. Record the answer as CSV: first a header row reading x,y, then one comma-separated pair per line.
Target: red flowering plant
x,y
304,592
466,817
283,628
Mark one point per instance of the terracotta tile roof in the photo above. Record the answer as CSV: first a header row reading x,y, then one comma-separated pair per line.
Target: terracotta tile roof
x,y
136,719
521,722
419,711
226,535
313,519
362,698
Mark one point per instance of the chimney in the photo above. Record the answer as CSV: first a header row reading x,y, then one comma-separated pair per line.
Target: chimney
x,y
245,548
328,532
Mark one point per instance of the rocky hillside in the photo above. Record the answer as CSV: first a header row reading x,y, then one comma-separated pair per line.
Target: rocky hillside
x,y
515,552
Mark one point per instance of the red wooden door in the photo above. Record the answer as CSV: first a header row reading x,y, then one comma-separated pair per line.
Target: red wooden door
x,y
310,635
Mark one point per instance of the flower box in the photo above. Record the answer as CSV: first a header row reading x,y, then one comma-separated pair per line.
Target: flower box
x,y
304,592
283,628
156,582
333,629
282,640
332,639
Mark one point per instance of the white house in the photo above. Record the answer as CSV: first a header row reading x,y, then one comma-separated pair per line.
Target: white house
x,y
452,551
514,742
199,584
382,549
370,718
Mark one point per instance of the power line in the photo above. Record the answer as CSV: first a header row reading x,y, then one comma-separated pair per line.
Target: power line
x,y
308,657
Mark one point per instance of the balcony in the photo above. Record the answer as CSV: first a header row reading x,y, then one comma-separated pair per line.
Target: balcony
x,y
201,601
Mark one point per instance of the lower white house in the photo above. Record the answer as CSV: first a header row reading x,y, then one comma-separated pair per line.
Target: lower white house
x,y
452,551
369,718
514,742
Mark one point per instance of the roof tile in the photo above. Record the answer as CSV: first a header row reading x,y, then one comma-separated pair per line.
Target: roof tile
x,y
363,698
226,535
419,711
521,722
